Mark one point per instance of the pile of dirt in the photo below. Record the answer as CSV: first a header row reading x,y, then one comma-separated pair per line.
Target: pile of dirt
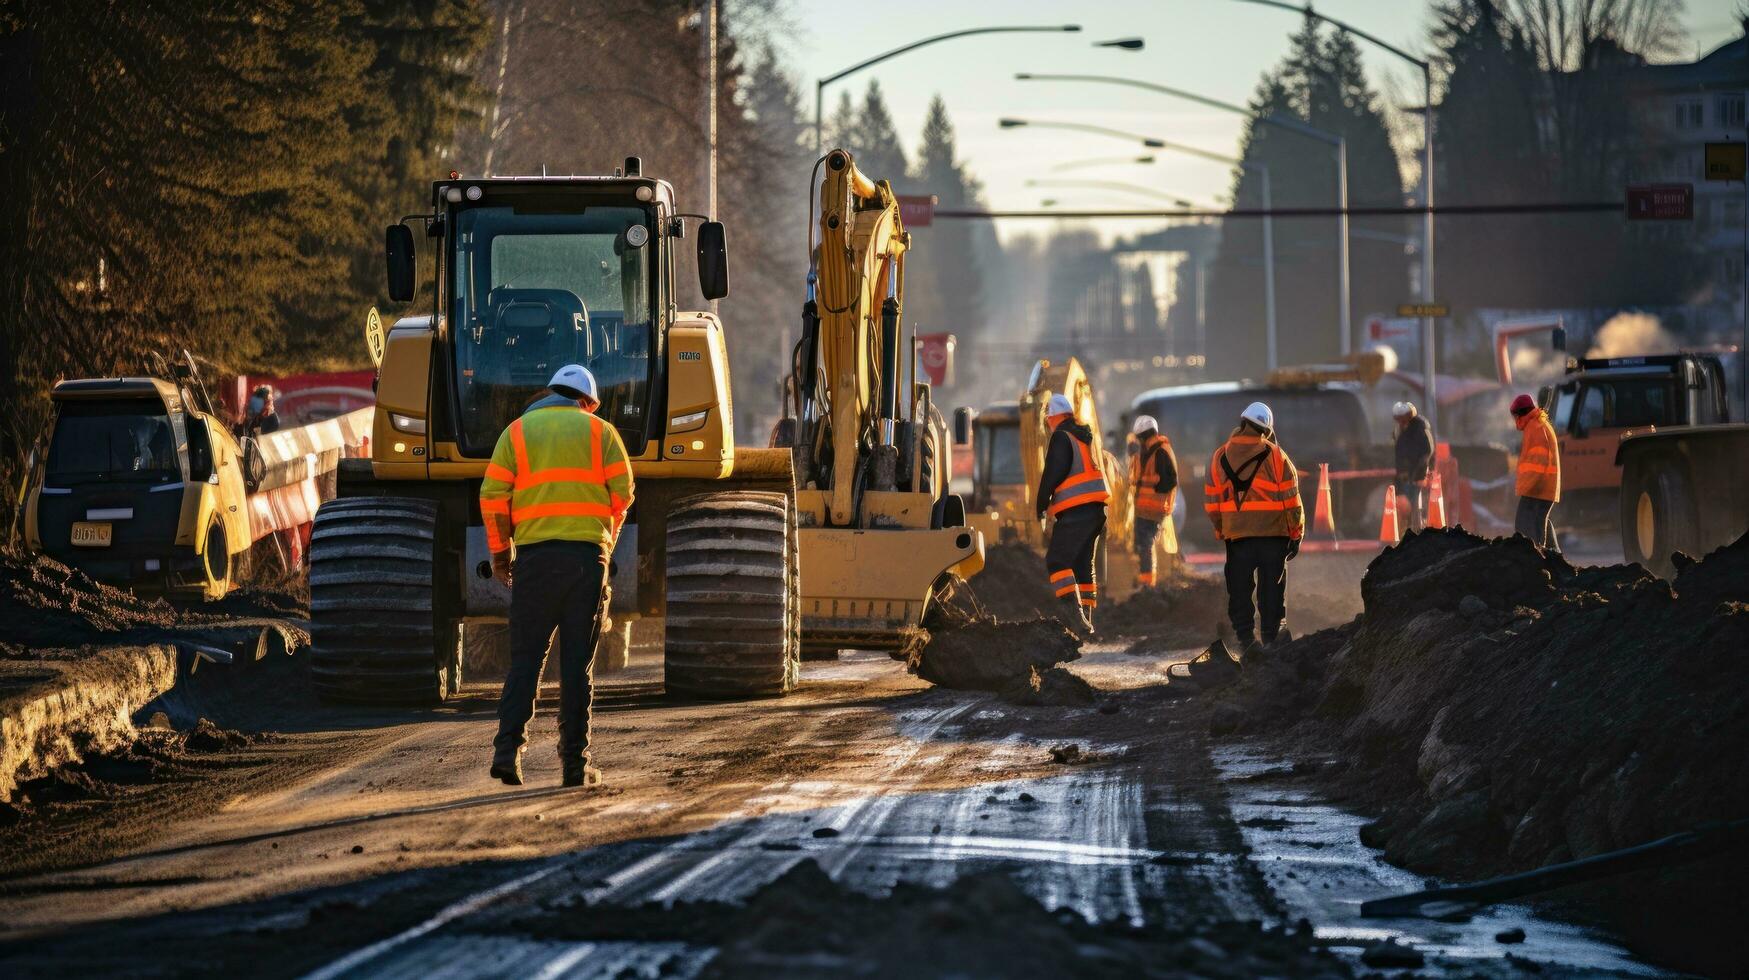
x,y
805,925
1051,687
44,603
1504,710
992,656
1012,587
46,606
1184,605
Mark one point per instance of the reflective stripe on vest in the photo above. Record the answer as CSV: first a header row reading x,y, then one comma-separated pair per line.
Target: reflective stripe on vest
x,y
558,473
1151,504
1270,506
1085,484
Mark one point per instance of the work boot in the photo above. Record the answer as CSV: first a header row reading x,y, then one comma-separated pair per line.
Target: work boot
x,y
508,768
1069,613
1245,640
577,772
1277,638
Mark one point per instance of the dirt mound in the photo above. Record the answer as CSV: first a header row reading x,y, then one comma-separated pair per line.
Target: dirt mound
x,y
1051,687
1012,587
992,656
1507,711
805,925
1184,605
44,603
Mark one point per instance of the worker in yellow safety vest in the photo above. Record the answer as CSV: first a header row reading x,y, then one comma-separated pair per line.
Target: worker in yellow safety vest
x,y
1154,475
1253,500
1539,474
1072,491
558,486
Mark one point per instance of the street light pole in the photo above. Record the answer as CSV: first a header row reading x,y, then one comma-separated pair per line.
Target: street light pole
x,y
1429,365
1122,44
1344,314
1160,144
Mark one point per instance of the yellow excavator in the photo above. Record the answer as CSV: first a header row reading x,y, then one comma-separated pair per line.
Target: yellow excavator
x,y
880,534
532,273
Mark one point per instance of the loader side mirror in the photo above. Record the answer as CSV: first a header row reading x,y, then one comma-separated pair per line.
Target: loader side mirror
x,y
713,260
399,251
962,426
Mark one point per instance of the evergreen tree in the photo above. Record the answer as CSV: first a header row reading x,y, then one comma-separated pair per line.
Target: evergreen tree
x,y
841,128
879,155
944,282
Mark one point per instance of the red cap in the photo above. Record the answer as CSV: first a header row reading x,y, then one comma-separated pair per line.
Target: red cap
x,y
1522,404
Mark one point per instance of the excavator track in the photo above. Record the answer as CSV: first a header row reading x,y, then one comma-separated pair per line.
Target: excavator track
x,y
732,628
378,631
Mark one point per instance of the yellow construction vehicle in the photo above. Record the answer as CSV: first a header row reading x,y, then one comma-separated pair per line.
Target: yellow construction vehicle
x,y
532,273
141,484
880,533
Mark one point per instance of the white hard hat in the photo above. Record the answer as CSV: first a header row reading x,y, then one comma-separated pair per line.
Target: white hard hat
x,y
1059,406
574,380
1402,410
1260,414
1143,424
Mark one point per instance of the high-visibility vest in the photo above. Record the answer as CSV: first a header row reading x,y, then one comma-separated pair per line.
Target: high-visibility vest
x,y
1539,458
1085,483
1265,502
558,473
1151,504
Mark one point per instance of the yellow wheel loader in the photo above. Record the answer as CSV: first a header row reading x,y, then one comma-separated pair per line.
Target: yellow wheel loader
x,y
141,485
530,274
880,533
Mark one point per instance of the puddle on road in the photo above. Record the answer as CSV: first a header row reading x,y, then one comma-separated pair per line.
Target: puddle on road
x,y
1312,857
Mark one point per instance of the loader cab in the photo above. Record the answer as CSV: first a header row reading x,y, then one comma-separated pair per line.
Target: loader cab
x,y
533,273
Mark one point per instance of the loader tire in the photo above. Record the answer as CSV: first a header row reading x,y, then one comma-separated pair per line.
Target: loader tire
x,y
733,620
1658,514
379,630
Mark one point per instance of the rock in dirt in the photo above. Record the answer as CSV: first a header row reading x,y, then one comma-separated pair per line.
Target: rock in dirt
x,y
1066,754
208,737
992,656
1583,711
1051,687
1510,936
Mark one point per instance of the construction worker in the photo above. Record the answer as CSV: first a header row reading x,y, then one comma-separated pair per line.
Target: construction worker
x,y
1072,491
558,486
1414,456
259,416
1539,473
1154,475
1253,500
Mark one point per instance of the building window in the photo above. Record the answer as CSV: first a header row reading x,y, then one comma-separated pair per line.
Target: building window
x,y
1689,115
1731,212
1730,111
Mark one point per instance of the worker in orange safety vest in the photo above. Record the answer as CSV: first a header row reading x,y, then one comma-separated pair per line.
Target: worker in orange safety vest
x,y
1154,475
558,486
1072,491
1539,474
1253,500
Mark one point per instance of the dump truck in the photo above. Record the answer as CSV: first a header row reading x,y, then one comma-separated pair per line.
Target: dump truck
x,y
529,274
881,534
141,483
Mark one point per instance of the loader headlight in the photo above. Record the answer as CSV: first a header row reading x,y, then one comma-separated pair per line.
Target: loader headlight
x,y
687,422
473,192
407,423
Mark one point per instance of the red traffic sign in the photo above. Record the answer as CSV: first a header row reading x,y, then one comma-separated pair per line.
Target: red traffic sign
x,y
1661,202
917,210
935,356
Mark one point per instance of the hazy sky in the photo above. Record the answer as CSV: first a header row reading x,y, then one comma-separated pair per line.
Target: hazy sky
x,y
1215,47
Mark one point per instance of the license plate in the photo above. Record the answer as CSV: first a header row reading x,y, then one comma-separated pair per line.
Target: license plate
x,y
91,534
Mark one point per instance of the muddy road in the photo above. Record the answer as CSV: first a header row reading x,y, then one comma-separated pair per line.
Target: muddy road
x,y
373,844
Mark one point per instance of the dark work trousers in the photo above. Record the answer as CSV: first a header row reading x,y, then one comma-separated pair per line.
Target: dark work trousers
x,y
1074,545
556,585
1147,532
1534,522
1260,565
1412,491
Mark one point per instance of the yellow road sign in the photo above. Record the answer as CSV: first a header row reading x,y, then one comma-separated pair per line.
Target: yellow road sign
x,y
1423,309
1724,161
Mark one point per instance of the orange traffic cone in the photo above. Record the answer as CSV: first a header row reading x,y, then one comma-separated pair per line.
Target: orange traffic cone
x,y
1388,527
1435,502
1321,519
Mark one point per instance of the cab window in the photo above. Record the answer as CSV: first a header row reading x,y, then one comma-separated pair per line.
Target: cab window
x,y
1590,414
128,439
